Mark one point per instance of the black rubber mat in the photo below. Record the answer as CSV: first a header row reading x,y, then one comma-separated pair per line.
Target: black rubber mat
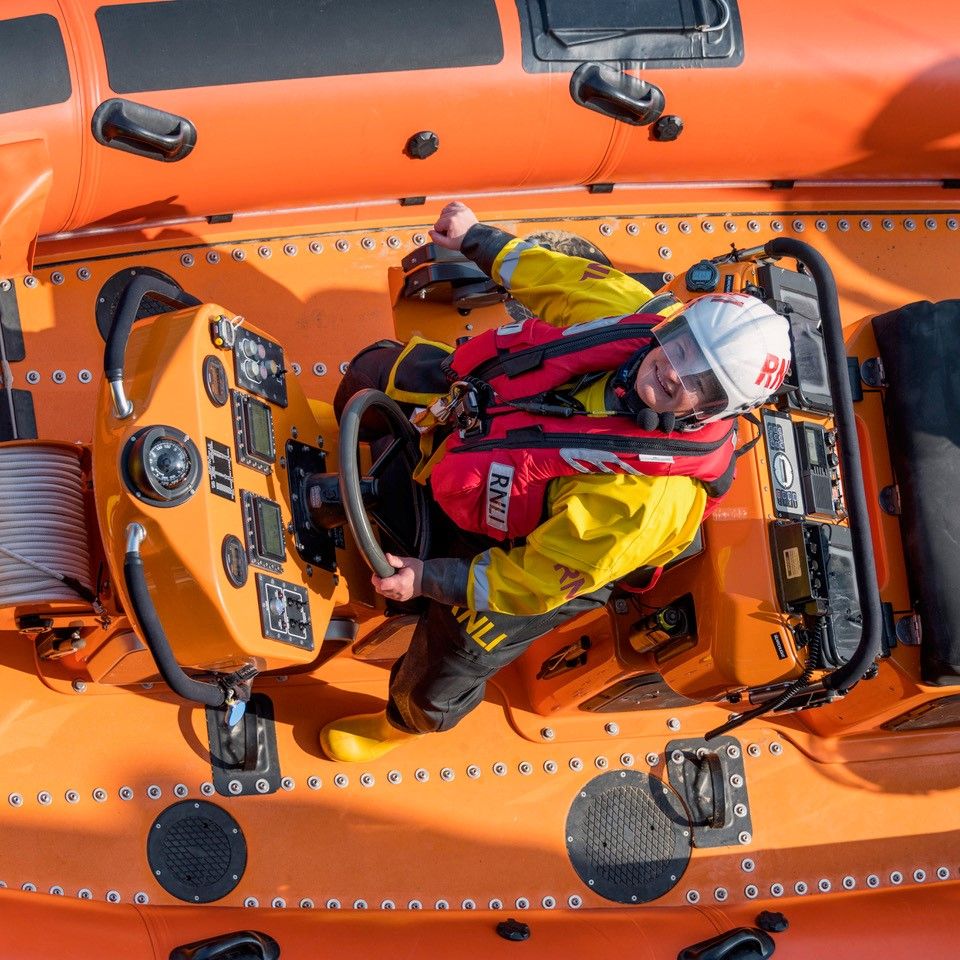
x,y
196,851
628,836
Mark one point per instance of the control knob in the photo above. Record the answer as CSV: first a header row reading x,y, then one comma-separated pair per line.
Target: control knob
x,y
251,370
277,607
250,348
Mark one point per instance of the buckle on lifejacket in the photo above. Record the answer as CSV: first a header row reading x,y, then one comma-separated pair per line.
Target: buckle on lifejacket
x,y
460,408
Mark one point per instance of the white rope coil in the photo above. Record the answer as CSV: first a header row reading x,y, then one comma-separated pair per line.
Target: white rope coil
x,y
42,520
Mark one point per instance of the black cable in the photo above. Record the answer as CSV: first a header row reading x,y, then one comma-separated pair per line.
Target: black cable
x,y
813,655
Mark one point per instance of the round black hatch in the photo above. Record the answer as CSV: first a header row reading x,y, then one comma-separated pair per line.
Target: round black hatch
x,y
196,851
628,836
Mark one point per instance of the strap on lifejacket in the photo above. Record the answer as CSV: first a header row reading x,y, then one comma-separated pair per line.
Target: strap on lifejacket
x,y
750,444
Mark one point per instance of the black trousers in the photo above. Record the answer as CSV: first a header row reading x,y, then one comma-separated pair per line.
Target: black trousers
x,y
454,651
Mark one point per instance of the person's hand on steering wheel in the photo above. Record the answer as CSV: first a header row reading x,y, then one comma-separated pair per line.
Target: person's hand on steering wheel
x,y
455,220
405,583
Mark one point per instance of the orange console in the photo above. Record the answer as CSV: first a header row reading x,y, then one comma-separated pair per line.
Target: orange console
x,y
203,479
770,592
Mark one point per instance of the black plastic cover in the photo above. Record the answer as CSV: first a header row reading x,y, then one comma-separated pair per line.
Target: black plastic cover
x,y
628,836
23,424
704,779
561,34
919,345
10,328
245,752
33,63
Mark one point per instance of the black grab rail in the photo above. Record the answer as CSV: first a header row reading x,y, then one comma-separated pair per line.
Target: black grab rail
x,y
852,472
114,353
209,694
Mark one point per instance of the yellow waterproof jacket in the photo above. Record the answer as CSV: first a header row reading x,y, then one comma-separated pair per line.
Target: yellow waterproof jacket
x,y
599,527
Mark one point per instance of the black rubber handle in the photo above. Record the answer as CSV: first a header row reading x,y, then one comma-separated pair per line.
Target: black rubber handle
x,y
714,806
743,943
209,694
142,130
242,945
616,94
139,287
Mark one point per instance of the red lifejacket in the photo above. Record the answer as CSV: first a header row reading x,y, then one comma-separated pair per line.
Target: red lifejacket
x,y
495,483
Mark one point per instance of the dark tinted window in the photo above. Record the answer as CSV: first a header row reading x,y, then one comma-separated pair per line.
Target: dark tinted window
x,y
561,34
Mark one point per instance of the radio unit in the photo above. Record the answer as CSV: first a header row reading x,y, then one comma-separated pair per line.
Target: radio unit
x,y
817,472
815,575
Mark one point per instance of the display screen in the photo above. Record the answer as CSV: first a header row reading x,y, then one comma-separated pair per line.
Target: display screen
x,y
269,530
814,450
259,430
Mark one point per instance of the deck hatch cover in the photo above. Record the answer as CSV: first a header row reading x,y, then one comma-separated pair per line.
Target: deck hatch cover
x,y
200,43
628,836
33,63
197,851
561,34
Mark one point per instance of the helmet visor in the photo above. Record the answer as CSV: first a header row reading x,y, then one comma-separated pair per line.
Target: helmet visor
x,y
692,367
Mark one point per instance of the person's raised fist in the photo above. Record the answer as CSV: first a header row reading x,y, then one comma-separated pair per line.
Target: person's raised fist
x,y
451,227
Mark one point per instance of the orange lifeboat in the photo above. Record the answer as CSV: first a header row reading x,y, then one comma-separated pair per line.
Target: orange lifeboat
x,y
207,208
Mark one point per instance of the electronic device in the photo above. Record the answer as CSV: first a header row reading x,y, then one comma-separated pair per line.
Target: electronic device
x,y
258,367
794,295
263,529
782,462
284,611
702,277
816,472
253,432
815,575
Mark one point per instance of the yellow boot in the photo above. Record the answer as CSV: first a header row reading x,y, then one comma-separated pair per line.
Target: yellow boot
x,y
363,737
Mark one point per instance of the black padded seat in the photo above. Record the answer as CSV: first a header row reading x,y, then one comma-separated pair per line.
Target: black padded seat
x,y
920,349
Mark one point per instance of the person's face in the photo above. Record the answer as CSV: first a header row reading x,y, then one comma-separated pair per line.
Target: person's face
x,y
659,387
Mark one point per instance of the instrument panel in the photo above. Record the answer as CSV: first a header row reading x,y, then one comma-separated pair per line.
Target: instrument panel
x,y
217,491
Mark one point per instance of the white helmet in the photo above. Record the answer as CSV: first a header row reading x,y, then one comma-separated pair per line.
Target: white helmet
x,y
731,349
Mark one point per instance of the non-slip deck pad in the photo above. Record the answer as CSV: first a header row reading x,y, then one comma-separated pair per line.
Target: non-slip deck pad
x,y
197,851
628,836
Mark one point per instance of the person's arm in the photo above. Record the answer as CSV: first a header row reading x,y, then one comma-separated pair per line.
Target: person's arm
x,y
559,289
601,528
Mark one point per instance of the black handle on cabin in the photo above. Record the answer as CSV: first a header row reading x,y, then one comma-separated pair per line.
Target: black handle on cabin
x,y
242,945
743,943
616,94
142,130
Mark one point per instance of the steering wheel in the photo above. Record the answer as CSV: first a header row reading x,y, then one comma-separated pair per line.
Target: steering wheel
x,y
369,498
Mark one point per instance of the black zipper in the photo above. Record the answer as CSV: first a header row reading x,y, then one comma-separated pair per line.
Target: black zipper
x,y
558,348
